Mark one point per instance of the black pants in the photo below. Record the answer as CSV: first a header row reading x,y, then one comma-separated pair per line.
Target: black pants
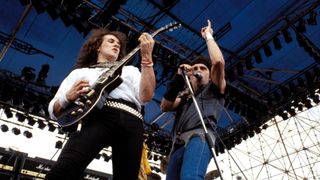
x,y
120,130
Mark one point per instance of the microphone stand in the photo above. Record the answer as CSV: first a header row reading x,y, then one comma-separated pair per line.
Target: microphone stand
x,y
208,137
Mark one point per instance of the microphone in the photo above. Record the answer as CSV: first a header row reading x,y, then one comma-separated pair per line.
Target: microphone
x,y
198,75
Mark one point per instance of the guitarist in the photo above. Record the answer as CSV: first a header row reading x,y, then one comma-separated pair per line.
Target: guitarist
x,y
117,122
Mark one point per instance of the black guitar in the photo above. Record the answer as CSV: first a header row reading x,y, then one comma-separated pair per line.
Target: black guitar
x,y
107,81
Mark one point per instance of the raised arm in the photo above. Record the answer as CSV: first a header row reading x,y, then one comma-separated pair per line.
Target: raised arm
x,y
148,80
216,57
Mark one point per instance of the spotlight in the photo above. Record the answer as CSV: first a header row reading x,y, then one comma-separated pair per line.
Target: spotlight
x,y
267,50
312,20
307,103
249,62
16,131
8,112
257,56
155,157
98,156
31,121
283,114
41,124
300,107
257,129
301,27
20,117
276,43
291,111
43,73
265,126
106,157
27,134
287,36
316,99
51,127
58,145
4,128
251,133
27,74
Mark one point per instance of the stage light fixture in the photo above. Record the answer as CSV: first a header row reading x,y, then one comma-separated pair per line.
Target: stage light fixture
x,y
20,117
51,127
251,133
276,43
41,124
155,157
301,26
307,103
106,157
30,121
58,144
4,128
257,56
316,98
248,62
15,131
27,74
8,112
43,73
287,36
39,6
300,107
265,126
27,134
312,20
291,111
267,50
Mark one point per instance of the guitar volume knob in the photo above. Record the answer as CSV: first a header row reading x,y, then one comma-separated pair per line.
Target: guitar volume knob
x,y
80,110
73,113
89,102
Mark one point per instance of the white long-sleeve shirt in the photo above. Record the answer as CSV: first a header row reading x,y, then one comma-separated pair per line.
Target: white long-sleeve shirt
x,y
128,90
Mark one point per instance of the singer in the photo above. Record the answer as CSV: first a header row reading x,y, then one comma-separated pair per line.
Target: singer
x,y
190,154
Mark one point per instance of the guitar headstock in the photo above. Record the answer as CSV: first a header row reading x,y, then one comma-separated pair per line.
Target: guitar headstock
x,y
168,27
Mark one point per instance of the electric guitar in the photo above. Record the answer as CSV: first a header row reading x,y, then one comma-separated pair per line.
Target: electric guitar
x,y
107,81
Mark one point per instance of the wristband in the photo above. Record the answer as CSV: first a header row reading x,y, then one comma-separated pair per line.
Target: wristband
x,y
146,64
175,86
208,36
63,101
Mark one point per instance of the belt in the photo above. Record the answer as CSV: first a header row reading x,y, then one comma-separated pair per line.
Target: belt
x,y
124,107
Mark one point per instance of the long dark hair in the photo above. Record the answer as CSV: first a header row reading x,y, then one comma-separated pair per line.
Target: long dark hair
x,y
88,54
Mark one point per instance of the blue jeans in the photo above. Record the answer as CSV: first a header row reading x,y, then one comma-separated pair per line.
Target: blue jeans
x,y
189,162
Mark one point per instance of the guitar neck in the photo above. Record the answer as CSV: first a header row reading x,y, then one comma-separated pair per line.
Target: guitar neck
x,y
125,59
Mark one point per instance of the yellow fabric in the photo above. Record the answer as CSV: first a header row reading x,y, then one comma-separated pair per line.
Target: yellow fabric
x,y
145,168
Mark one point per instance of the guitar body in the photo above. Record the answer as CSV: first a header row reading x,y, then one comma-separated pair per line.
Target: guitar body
x,y
108,81
77,110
